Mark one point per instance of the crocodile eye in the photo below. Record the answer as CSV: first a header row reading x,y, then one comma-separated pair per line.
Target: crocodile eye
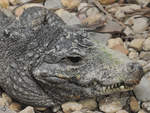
x,y
74,59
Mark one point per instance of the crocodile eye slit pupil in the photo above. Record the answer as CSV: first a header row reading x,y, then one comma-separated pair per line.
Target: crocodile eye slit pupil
x,y
74,59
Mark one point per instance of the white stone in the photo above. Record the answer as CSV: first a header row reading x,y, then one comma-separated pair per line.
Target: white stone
x,y
67,17
146,44
137,44
71,106
143,2
140,24
142,91
28,109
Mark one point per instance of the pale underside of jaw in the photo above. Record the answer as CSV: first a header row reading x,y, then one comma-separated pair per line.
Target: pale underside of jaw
x,y
118,87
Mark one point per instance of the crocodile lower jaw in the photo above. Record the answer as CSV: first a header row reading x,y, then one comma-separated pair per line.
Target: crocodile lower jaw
x,y
118,87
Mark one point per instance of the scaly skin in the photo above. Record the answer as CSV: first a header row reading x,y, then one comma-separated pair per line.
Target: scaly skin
x,y
44,62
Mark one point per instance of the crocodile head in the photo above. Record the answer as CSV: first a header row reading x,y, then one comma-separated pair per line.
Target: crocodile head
x,y
51,63
77,66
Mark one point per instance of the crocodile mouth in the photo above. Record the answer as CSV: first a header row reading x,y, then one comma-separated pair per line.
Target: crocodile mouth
x,y
118,87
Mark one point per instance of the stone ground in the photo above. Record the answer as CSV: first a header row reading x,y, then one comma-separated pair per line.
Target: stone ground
x,y
125,26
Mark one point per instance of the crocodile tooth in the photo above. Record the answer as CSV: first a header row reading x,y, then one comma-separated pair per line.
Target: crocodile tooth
x,y
112,86
115,85
108,87
104,88
122,87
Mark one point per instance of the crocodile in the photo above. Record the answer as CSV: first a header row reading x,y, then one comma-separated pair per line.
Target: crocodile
x,y
44,62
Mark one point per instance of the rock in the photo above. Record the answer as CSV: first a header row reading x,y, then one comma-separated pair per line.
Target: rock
x,y
128,31
89,104
146,68
122,11
146,44
53,4
120,14
92,11
7,98
19,10
133,55
117,44
71,106
137,44
122,111
70,4
146,106
106,2
86,111
14,2
121,49
28,109
93,20
142,62
3,102
134,106
5,109
67,17
4,3
83,7
40,108
109,105
15,106
142,91
114,42
56,108
142,111
143,2
101,37
140,24
111,27
145,56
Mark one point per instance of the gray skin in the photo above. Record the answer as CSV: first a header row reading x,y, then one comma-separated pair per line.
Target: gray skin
x,y
44,62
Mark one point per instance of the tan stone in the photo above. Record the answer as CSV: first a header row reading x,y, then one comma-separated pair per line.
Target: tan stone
x,y
122,111
107,1
89,104
142,111
70,4
15,106
4,3
92,20
71,106
20,10
7,98
40,108
110,106
114,42
121,49
135,107
146,44
137,44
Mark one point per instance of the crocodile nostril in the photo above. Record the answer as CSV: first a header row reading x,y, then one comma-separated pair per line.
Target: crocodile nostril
x,y
132,67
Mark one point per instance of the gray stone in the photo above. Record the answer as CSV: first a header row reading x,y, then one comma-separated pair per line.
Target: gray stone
x,y
67,17
53,4
145,55
142,91
100,37
4,109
